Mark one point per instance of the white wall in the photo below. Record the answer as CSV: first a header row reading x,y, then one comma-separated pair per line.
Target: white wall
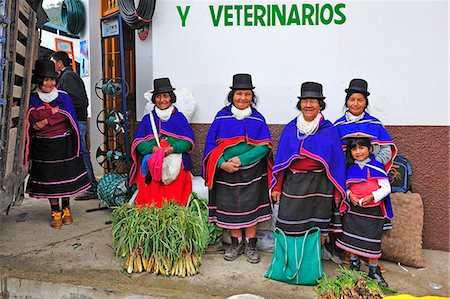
x,y
91,33
399,47
144,70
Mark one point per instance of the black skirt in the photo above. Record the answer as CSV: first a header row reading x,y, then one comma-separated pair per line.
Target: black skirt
x,y
240,199
56,171
307,200
363,228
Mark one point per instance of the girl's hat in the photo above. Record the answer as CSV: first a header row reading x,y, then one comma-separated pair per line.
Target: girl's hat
x,y
358,85
162,85
311,90
242,81
357,135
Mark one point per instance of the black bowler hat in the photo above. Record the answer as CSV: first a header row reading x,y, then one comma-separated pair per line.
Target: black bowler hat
x,y
311,90
162,85
358,85
242,81
43,68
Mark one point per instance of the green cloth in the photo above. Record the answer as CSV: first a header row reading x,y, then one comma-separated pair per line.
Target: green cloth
x,y
179,146
247,153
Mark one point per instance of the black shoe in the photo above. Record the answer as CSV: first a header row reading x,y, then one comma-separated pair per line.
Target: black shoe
x,y
375,273
87,195
355,265
251,252
235,250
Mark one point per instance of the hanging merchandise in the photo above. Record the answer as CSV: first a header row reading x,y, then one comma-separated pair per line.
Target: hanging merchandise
x,y
143,32
73,15
112,120
138,17
110,159
110,87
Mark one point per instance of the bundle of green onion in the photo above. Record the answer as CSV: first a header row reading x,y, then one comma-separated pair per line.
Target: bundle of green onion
x,y
349,284
169,240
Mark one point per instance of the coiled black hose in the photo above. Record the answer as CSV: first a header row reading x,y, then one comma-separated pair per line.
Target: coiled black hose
x,y
140,17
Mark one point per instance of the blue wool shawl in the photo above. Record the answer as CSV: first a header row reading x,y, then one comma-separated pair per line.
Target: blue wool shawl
x,y
323,146
226,127
65,106
368,125
356,174
177,126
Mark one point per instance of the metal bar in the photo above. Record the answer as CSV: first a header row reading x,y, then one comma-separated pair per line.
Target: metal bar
x,y
124,95
104,99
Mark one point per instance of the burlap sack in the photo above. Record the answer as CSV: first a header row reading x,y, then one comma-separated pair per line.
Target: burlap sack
x,y
404,242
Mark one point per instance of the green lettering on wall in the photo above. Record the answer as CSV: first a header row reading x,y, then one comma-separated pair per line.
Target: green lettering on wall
x,y
279,15
259,12
215,17
248,15
326,14
238,9
294,17
307,13
184,15
272,14
337,10
228,16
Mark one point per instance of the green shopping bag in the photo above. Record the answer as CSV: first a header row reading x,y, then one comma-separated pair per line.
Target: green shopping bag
x,y
296,260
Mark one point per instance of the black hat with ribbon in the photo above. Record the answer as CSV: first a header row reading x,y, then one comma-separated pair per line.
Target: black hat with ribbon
x,y
358,85
242,81
311,90
43,68
162,85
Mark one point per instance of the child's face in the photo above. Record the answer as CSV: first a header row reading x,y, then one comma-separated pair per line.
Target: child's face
x,y
360,153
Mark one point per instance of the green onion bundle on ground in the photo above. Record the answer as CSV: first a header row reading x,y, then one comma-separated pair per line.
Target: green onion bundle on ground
x,y
349,285
168,241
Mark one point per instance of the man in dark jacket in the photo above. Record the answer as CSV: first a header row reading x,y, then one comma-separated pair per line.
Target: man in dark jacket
x,y
71,83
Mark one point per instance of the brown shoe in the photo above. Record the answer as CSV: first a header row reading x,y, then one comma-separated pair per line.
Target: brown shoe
x,y
66,218
56,219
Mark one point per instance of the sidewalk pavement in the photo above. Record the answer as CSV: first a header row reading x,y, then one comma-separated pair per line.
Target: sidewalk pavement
x,y
36,260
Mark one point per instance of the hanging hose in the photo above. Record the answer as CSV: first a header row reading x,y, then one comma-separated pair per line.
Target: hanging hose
x,y
140,17
73,15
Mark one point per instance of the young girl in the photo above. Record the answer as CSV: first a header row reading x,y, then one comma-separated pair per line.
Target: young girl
x,y
366,206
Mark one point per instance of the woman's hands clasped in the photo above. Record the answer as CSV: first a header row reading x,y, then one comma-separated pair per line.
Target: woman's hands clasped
x,y
232,165
40,124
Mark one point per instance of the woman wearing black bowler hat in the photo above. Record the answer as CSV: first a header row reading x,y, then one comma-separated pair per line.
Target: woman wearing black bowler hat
x,y
237,169
53,145
357,120
309,170
163,135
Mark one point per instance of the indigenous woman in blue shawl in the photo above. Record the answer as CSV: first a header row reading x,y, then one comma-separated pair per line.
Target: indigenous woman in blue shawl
x,y
357,120
237,169
170,139
309,170
53,145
